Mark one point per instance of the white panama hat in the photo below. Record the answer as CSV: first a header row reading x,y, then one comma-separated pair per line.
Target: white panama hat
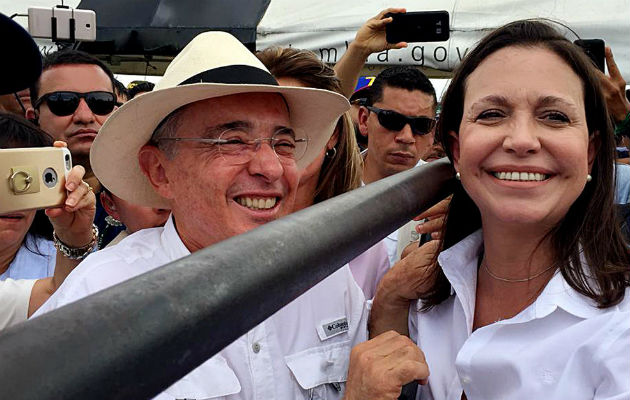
x,y
213,64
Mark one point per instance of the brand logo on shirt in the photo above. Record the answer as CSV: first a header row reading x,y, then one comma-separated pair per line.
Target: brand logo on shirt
x,y
328,329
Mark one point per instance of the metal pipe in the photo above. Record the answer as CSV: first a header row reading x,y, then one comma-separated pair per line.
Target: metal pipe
x,y
135,339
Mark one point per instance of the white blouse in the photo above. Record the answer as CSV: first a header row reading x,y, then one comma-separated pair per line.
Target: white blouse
x,y
560,347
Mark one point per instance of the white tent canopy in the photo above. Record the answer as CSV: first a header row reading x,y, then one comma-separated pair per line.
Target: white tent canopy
x,y
327,26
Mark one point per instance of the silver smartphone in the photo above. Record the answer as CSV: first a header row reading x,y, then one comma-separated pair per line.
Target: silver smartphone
x,y
62,23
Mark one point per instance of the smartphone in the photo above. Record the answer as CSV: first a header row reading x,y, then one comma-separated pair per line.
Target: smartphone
x,y
33,178
62,23
595,49
420,26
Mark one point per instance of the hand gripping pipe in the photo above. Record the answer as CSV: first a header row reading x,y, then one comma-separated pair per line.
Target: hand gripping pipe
x,y
135,339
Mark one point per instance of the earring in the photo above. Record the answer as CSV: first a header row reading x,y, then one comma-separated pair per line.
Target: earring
x,y
589,178
111,221
331,153
458,176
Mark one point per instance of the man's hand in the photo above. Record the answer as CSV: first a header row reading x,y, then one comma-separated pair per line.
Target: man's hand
x,y
370,38
401,285
381,366
73,221
614,87
409,277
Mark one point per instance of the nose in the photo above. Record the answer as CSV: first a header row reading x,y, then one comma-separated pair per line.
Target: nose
x,y
521,137
405,135
83,114
265,163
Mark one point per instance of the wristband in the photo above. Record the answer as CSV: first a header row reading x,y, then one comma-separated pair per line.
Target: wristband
x,y
76,253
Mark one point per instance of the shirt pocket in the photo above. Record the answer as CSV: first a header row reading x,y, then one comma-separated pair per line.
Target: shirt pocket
x,y
321,371
213,379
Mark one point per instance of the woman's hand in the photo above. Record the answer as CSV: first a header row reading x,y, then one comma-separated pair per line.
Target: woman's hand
x,y
73,221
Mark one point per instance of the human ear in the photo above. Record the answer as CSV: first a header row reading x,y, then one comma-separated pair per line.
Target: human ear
x,y
593,148
363,117
109,205
152,161
334,139
31,115
453,143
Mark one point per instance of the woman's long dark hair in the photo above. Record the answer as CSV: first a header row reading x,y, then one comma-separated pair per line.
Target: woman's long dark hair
x,y
17,132
589,231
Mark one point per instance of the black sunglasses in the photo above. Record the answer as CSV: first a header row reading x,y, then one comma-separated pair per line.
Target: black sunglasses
x,y
395,121
65,103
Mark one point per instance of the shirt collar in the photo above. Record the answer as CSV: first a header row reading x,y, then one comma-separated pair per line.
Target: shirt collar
x,y
459,264
171,242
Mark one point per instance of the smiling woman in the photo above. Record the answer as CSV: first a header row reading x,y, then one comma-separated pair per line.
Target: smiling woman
x,y
532,261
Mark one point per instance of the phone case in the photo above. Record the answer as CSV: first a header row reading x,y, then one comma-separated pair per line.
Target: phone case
x,y
420,26
33,178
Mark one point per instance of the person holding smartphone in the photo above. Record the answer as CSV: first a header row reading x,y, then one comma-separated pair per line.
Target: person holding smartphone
x,y
72,223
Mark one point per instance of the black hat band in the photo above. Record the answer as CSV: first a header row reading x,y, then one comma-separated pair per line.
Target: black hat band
x,y
233,74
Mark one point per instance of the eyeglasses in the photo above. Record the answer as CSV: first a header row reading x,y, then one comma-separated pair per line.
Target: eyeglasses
x,y
395,121
65,103
238,147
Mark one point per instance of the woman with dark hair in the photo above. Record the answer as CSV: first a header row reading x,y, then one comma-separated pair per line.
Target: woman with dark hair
x,y
27,251
529,296
26,246
338,167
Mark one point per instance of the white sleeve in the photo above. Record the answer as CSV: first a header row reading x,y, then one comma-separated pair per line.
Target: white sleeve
x,y
614,360
14,299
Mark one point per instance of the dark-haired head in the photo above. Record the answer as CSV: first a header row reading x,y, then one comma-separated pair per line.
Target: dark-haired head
x,y
137,87
17,132
589,230
121,92
69,57
401,77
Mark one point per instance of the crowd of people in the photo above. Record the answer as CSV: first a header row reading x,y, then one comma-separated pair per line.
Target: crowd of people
x,y
526,259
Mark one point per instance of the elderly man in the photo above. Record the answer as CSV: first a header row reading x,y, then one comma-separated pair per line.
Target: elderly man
x,y
224,157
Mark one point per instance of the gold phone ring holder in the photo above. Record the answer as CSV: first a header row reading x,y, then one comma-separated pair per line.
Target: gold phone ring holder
x,y
28,179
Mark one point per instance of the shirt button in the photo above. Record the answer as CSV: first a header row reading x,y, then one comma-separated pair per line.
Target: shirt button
x,y
466,379
256,347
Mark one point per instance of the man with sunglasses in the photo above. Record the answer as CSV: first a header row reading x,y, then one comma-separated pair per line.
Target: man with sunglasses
x,y
72,99
398,120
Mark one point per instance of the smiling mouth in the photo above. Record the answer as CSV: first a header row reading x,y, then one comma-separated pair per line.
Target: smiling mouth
x,y
520,176
257,203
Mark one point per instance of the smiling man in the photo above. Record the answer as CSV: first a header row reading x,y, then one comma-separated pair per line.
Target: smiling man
x,y
220,143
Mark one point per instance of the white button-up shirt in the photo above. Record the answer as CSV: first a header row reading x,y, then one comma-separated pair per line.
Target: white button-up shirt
x,y
300,352
560,347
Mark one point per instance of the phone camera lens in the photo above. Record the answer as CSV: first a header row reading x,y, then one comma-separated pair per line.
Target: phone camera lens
x,y
50,177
